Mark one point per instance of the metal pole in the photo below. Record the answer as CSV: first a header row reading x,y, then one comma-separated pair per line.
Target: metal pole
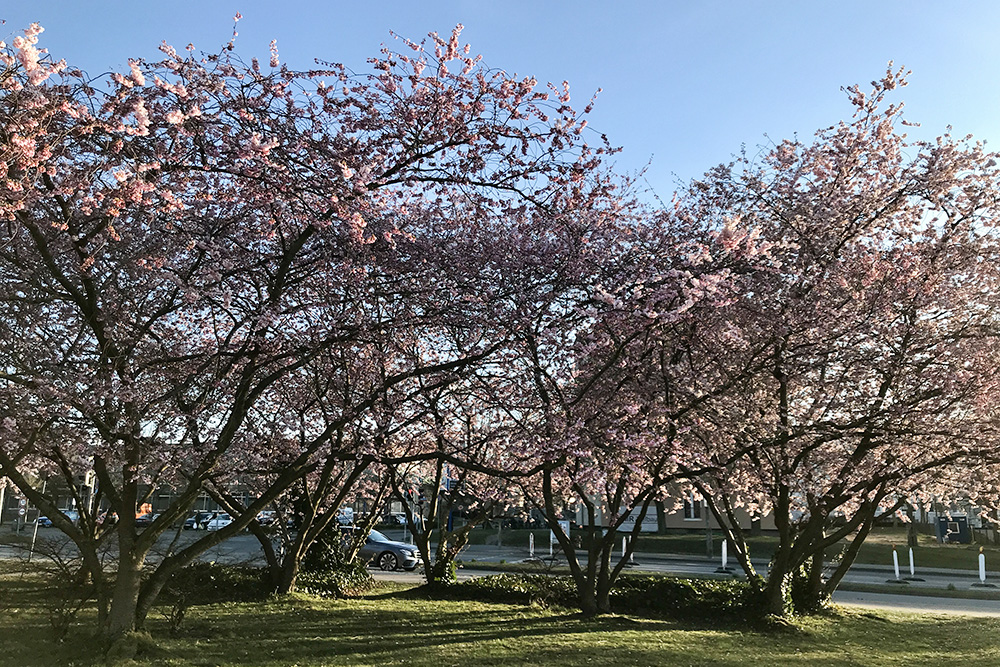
x,y
34,534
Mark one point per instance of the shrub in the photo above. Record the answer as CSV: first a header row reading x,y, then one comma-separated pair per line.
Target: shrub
x,y
688,598
662,596
207,583
508,588
326,571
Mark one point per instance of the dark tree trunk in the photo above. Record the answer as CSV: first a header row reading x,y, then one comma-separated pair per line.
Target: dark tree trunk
x,y
124,601
289,576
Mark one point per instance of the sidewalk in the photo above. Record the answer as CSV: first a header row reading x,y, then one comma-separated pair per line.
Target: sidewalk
x,y
695,565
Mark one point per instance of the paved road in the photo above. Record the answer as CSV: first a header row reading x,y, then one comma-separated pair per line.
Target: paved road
x,y
245,549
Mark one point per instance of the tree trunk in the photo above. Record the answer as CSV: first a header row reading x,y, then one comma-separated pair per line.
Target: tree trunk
x,y
661,518
588,597
603,594
776,594
288,571
94,568
848,557
809,594
911,527
124,601
288,576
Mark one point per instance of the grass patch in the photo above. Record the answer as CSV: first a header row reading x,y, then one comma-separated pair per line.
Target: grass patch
x,y
396,625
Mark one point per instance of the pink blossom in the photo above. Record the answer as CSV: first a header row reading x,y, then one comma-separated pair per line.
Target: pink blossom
x,y
137,76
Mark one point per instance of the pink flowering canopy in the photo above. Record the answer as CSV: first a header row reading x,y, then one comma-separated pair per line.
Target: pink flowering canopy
x,y
185,240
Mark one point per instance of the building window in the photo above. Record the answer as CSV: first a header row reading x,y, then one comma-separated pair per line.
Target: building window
x,y
692,507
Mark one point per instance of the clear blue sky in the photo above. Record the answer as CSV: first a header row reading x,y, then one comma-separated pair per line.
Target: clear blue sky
x,y
685,82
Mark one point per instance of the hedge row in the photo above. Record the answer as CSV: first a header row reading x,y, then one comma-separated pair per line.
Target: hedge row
x,y
635,594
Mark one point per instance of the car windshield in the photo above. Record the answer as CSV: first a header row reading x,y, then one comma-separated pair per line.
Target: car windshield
x,y
376,536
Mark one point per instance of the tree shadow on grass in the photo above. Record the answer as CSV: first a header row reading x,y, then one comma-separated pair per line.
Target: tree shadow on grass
x,y
379,633
432,632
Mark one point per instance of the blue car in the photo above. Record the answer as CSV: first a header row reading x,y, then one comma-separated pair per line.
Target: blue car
x,y
44,522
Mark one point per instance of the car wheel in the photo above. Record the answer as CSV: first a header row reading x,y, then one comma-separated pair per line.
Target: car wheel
x,y
387,561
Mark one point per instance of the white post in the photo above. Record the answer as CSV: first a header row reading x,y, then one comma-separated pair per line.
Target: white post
x,y
623,547
38,512
552,538
982,566
725,553
895,561
531,545
913,572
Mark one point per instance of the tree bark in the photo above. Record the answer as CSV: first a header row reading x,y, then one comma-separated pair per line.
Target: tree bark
x,y
289,576
122,616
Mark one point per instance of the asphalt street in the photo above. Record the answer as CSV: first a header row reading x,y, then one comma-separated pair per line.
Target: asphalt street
x,y
245,549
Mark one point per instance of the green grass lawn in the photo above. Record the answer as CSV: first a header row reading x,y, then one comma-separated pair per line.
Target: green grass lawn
x,y
399,626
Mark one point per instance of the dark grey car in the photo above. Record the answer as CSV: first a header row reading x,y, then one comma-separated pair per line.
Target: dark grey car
x,y
389,555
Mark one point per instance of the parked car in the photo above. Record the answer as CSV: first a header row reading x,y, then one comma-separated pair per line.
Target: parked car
x,y
143,520
266,517
44,522
387,554
220,521
395,519
198,521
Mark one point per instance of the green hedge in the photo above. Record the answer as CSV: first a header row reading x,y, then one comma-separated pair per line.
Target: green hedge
x,y
661,596
519,589
207,583
687,598
325,570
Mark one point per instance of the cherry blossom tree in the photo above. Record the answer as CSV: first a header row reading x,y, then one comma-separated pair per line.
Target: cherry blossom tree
x,y
870,333
182,238
632,284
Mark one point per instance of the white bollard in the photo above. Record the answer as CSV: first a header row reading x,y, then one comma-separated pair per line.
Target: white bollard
x,y
982,566
895,561
531,545
725,554
623,547
913,572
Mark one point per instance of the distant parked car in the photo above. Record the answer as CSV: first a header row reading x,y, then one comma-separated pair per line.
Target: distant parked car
x,y
143,520
44,522
266,517
395,519
221,521
198,520
387,554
